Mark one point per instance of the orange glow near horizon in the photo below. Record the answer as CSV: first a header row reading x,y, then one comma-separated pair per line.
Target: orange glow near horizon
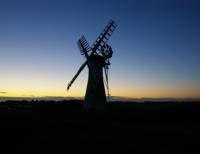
x,y
162,93
47,85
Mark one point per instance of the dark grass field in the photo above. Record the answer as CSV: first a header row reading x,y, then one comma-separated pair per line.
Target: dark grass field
x,y
62,127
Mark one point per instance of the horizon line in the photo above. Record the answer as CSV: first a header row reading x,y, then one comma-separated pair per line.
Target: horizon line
x,y
82,97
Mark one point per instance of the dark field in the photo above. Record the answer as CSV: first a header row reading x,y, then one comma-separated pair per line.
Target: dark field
x,y
61,127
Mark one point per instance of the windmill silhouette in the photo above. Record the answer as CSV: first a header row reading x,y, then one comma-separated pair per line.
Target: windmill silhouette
x,y
97,59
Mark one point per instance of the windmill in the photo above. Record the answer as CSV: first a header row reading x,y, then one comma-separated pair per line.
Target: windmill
x,y
97,59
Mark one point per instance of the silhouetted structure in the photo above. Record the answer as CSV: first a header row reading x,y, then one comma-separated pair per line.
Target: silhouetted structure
x,y
97,59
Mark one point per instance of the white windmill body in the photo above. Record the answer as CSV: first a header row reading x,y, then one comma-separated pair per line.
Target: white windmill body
x,y
97,59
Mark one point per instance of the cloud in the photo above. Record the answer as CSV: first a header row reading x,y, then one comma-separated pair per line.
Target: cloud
x,y
3,92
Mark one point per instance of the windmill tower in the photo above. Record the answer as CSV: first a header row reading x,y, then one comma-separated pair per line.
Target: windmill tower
x,y
97,59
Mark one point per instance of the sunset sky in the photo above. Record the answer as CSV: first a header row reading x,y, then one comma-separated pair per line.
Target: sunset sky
x,y
156,46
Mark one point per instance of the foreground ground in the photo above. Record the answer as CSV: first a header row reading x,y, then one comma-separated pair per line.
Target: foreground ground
x,y
131,127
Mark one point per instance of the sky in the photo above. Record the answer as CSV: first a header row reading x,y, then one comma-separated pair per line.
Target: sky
x,y
156,47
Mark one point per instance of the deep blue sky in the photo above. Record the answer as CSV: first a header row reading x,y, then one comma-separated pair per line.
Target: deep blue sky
x,y
156,46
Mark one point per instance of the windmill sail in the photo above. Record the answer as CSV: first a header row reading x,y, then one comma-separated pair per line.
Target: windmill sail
x,y
104,36
76,75
84,46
